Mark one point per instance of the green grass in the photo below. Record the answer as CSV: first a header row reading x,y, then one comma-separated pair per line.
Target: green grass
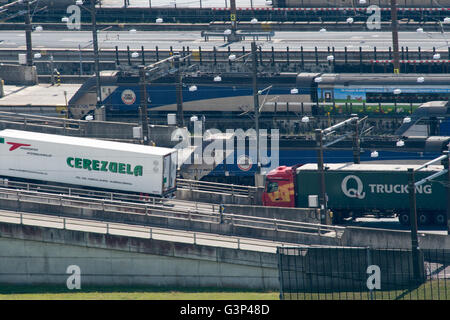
x,y
130,293
431,290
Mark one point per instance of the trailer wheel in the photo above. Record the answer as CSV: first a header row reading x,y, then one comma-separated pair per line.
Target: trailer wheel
x,y
403,218
423,218
440,219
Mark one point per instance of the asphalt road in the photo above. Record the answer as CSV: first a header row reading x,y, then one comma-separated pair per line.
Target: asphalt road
x,y
177,39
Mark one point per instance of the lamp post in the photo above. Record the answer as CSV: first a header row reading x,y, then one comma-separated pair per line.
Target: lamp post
x,y
256,104
413,222
179,92
233,36
28,29
320,168
356,142
143,104
98,107
394,25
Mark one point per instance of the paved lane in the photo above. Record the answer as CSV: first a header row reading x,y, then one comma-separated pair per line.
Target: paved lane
x,y
193,39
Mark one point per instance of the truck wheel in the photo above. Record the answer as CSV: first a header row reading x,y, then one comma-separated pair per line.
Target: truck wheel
x,y
404,218
423,219
337,217
440,219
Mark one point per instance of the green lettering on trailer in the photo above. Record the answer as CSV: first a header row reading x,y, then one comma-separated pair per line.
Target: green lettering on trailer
x,y
105,166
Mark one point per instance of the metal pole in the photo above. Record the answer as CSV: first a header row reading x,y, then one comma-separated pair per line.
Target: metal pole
x,y
81,61
96,58
394,25
256,104
52,67
179,93
356,143
233,36
143,105
320,168
413,222
448,192
28,30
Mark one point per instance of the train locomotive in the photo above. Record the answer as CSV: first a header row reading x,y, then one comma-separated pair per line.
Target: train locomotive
x,y
303,93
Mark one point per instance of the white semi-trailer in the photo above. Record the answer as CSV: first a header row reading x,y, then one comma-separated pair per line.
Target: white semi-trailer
x,y
88,162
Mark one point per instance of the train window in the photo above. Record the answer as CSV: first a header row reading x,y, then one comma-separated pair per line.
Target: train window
x,y
407,97
272,186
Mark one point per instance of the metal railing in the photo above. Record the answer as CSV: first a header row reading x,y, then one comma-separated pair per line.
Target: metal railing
x,y
134,230
194,212
232,189
36,120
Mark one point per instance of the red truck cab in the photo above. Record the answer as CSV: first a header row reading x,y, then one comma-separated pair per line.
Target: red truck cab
x,y
280,187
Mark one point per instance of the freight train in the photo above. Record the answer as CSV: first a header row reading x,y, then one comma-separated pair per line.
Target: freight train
x,y
360,189
303,93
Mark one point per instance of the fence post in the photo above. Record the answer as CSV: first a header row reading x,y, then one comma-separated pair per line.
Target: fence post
x,y
369,263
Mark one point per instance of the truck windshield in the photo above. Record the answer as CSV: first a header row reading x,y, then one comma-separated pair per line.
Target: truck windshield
x,y
271,186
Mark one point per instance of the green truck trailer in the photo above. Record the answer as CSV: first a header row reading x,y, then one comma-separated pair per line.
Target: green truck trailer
x,y
382,189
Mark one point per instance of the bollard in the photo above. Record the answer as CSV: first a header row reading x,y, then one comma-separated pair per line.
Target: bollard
x,y
316,56
58,78
117,57
2,91
345,55
273,56
260,56
302,57
287,56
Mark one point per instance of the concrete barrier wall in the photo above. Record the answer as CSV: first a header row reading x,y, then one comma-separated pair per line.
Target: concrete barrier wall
x,y
151,219
38,255
290,214
383,238
214,197
18,74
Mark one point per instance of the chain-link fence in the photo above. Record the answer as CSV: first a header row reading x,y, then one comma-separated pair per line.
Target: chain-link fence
x,y
343,273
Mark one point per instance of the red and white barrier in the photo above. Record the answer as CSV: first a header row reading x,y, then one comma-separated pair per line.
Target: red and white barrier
x,y
326,9
412,61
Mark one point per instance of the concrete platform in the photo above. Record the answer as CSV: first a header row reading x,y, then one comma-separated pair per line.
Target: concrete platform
x,y
38,95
